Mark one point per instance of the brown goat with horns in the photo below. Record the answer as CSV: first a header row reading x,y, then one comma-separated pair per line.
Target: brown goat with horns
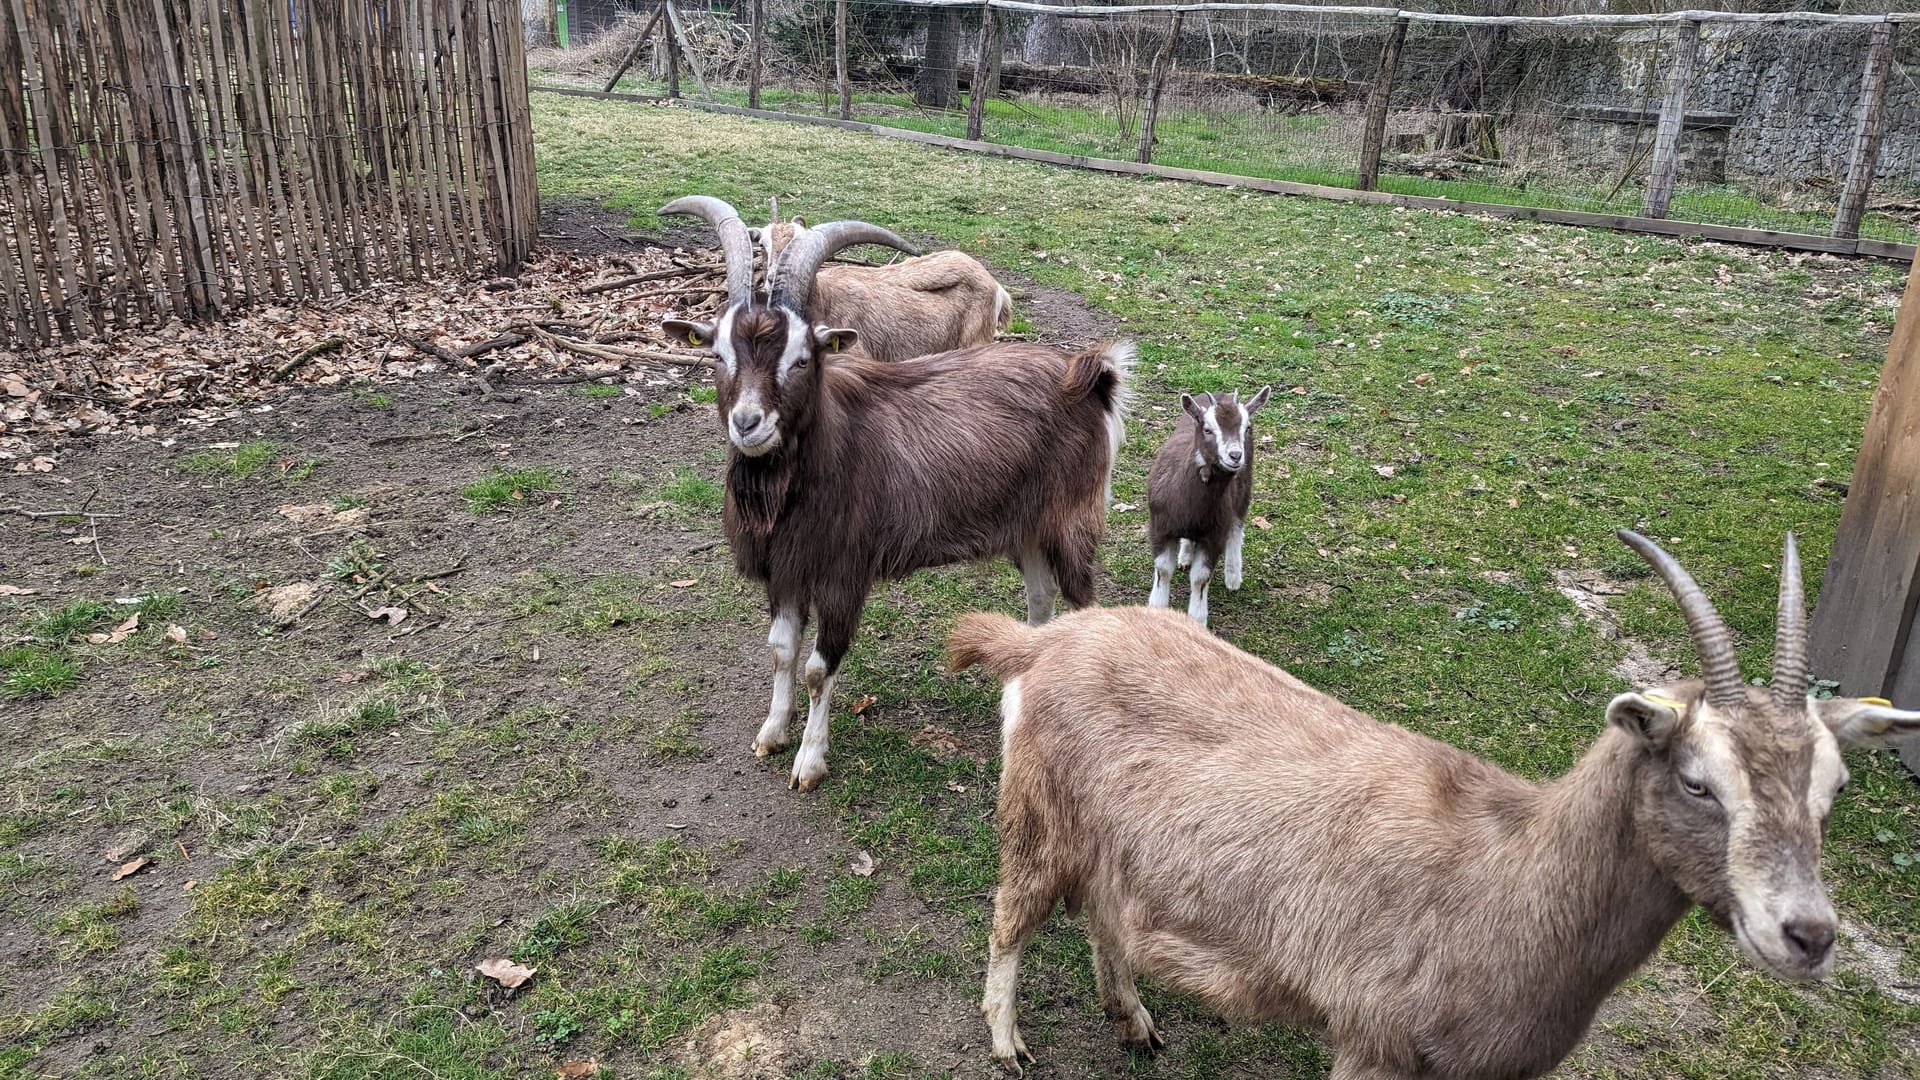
x,y
1253,841
843,470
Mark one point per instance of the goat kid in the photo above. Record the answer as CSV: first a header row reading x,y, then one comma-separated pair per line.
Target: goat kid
x,y
1198,492
1255,842
844,470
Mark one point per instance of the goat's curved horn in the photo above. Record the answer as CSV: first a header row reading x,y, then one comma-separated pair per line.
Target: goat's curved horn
x,y
803,257
734,243
1790,634
1711,640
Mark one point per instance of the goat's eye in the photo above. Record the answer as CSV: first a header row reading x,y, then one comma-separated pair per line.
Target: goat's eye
x,y
1695,788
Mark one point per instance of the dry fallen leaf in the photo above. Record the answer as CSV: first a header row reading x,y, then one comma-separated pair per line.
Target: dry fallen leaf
x,y
177,634
865,701
15,590
131,868
119,633
862,865
504,971
1423,378
1384,470
394,615
954,785
684,582
567,1070
1260,522
1298,390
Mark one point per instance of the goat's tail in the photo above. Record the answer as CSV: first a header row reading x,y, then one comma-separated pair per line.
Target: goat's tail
x,y
1002,307
1102,373
993,641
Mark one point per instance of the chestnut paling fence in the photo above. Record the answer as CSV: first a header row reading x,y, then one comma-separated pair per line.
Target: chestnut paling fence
x,y
1797,122
183,158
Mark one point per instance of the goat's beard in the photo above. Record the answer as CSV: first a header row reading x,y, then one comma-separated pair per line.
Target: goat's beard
x,y
756,491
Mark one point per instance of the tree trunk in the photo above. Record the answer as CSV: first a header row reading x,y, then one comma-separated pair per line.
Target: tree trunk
x,y
1464,82
939,86
1046,41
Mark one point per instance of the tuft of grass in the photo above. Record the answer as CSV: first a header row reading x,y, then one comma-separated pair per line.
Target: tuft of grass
x,y
705,395
504,489
598,391
61,625
91,929
28,671
249,459
691,491
155,607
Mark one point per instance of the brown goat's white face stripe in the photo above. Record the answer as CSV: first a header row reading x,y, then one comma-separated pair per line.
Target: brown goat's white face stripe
x,y
723,343
797,348
1226,426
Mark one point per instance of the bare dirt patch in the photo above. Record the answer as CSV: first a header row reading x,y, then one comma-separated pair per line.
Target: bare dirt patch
x,y
1588,590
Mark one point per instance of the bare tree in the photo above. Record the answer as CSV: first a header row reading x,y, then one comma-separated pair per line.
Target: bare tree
x,y
939,85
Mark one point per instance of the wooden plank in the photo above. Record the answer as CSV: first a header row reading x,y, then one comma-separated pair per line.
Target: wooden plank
x,y
840,75
1156,82
1863,623
142,140
1621,222
1375,136
245,217
467,135
977,83
1673,113
1864,162
25,308
196,99
72,126
757,38
397,116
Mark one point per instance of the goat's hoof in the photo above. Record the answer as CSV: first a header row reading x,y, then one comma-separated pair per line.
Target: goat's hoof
x,y
1010,1061
1233,582
1138,1034
803,784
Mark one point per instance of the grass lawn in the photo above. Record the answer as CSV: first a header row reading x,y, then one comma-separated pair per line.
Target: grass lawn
x,y
334,821
1305,148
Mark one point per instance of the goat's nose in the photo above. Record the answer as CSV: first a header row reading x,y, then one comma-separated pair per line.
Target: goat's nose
x,y
1234,456
746,420
1810,939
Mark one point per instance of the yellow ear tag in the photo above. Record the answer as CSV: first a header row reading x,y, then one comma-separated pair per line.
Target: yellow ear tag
x,y
1667,701
693,338
1880,701
833,343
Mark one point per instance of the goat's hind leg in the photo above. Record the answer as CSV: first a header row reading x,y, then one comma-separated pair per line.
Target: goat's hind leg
x,y
1118,994
1018,909
1037,574
789,622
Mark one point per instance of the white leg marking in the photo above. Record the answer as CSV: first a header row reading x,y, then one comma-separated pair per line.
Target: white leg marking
x,y
1186,553
1230,565
997,1003
810,764
1197,581
1041,588
784,640
1162,594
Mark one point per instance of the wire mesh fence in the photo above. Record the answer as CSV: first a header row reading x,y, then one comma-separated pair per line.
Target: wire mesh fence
x,y
1794,123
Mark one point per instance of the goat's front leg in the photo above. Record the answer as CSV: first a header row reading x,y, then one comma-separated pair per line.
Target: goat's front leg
x,y
823,667
784,641
1230,565
1197,581
1162,594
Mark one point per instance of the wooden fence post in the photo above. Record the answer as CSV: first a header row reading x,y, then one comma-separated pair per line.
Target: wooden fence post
x,y
1156,82
1866,139
757,30
1872,582
1673,117
1376,133
638,44
840,58
679,33
977,91
673,55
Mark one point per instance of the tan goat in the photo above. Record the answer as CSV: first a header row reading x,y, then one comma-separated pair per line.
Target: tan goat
x,y
927,304
1248,839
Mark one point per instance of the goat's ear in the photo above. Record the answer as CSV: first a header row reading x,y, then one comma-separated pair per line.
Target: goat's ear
x,y
798,222
1259,399
1867,722
1193,409
835,339
1647,715
697,334
753,235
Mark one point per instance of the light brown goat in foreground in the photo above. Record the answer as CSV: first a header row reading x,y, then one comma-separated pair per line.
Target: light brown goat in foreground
x,y
1253,841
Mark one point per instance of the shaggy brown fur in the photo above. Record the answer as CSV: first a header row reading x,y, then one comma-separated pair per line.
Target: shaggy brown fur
x,y
1248,839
